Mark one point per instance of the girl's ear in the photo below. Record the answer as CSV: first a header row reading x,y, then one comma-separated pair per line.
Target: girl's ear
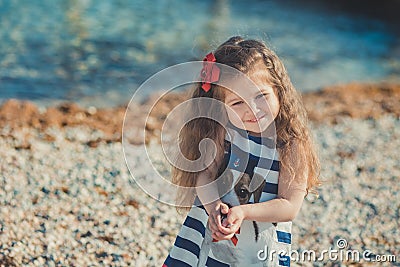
x,y
256,186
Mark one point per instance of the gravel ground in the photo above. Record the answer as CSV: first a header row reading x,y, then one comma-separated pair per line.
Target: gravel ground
x,y
64,203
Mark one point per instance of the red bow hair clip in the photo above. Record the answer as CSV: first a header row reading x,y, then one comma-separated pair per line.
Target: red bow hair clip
x,y
210,72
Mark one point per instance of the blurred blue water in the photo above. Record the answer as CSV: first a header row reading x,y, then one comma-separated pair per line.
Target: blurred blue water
x,y
99,52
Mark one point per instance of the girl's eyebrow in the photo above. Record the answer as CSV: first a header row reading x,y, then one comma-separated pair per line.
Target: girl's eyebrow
x,y
262,90
236,98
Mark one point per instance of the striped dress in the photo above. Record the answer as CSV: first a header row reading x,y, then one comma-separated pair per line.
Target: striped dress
x,y
194,245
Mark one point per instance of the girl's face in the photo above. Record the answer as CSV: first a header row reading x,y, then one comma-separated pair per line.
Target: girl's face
x,y
251,108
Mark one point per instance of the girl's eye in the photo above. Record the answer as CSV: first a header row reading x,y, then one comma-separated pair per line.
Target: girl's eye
x,y
237,103
261,95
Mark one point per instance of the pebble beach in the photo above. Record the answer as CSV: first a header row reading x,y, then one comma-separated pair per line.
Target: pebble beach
x,y
68,199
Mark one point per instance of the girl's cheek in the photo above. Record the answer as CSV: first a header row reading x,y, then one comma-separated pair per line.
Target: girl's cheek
x,y
235,120
232,115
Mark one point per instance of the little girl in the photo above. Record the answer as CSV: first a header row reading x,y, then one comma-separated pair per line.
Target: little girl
x,y
265,164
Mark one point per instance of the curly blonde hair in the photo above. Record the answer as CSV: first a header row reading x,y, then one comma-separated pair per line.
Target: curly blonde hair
x,y
294,142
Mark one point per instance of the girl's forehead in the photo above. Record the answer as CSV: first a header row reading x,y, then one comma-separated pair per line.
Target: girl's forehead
x,y
259,76
248,87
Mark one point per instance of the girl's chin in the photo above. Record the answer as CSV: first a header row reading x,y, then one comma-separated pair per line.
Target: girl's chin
x,y
267,130
257,128
254,131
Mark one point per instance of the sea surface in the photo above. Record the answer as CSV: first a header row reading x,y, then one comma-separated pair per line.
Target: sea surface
x,y
99,52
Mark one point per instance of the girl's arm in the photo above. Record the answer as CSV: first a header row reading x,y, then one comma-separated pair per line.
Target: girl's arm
x,y
207,194
209,197
284,208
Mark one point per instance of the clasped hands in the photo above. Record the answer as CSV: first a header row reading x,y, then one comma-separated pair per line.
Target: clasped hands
x,y
223,221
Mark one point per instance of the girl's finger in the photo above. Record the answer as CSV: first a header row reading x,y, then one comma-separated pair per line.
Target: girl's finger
x,y
225,227
214,236
218,235
224,209
235,227
229,236
225,223
226,230
223,237
213,227
231,220
217,220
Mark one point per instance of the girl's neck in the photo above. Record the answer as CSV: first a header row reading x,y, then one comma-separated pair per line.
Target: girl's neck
x,y
270,132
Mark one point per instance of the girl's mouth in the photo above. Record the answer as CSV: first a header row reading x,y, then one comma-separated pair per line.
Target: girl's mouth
x,y
256,119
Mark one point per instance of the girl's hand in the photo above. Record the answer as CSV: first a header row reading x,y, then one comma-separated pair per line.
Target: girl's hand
x,y
234,219
231,224
215,210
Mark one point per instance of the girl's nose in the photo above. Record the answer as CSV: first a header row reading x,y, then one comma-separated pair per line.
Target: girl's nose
x,y
253,107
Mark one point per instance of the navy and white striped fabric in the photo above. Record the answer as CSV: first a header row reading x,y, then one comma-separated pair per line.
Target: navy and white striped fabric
x,y
193,245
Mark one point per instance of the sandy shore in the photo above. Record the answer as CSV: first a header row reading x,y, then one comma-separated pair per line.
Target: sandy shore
x,y
67,198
